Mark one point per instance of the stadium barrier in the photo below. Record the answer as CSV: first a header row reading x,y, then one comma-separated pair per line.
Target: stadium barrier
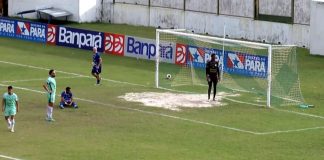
x,y
110,43
115,44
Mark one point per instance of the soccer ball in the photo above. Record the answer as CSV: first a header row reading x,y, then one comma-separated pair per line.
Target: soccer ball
x,y
168,76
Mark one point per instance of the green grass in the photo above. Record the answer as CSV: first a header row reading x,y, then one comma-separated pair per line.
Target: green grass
x,y
116,129
140,31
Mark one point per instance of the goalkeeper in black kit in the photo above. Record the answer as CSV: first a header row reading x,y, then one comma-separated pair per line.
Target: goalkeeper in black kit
x,y
212,75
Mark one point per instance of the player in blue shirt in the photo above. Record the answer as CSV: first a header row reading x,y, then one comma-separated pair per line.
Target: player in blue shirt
x,y
96,65
67,99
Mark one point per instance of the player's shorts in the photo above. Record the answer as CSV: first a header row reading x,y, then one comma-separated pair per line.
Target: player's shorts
x,y
51,98
96,70
10,111
73,104
213,80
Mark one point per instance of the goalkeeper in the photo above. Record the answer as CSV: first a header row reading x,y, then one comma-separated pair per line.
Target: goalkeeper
x,y
212,75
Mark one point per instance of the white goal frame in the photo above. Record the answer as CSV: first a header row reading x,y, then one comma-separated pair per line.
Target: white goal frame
x,y
176,32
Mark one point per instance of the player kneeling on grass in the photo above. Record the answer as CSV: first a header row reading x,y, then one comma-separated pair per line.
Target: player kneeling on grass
x,y
10,107
67,99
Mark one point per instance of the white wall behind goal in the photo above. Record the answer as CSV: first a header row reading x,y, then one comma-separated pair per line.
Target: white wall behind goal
x,y
302,12
276,7
178,4
142,2
15,6
317,29
209,6
82,10
200,16
166,17
240,8
127,13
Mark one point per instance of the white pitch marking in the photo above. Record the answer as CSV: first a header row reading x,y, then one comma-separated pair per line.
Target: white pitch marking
x,y
7,157
75,74
303,114
294,130
39,79
29,66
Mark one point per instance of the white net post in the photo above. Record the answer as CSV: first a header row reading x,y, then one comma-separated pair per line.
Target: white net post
x,y
269,76
157,51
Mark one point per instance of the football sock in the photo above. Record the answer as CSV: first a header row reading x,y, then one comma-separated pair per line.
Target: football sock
x,y
13,124
9,122
49,112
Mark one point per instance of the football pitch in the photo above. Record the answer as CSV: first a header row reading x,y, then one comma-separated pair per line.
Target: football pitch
x,y
108,127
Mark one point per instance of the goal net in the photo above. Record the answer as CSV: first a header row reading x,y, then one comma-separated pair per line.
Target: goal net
x,y
260,73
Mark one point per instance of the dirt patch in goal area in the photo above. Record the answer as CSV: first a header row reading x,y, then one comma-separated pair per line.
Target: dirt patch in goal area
x,y
176,101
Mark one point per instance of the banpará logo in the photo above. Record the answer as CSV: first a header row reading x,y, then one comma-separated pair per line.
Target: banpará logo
x,y
138,46
181,53
79,39
114,43
51,34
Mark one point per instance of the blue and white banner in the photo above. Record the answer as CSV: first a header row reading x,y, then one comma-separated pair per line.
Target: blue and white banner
x,y
146,49
31,31
246,64
79,38
196,56
7,28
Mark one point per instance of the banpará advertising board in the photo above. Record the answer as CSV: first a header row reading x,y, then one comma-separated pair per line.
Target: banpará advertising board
x,y
79,38
144,48
181,54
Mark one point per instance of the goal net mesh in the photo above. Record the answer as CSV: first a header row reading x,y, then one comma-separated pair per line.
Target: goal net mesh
x,y
243,66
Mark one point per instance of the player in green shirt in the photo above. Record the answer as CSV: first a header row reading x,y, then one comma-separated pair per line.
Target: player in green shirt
x,y
10,107
50,87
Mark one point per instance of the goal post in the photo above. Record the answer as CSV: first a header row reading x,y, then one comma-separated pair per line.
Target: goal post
x,y
245,67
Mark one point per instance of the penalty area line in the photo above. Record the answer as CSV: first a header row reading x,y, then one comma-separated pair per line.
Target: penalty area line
x,y
39,79
293,130
70,73
7,157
